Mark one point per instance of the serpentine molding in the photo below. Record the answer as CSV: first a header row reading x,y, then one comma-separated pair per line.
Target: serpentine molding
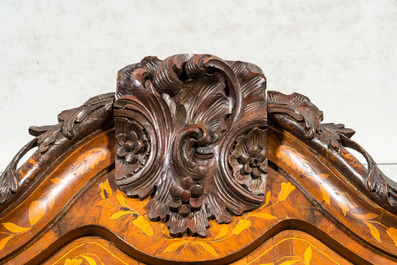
x,y
191,134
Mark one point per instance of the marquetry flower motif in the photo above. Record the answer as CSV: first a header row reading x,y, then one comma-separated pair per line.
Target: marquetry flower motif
x,y
140,221
392,232
248,160
187,197
131,147
229,230
74,261
85,258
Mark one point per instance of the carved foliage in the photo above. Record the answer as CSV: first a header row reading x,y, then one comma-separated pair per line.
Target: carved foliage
x,y
297,108
53,140
94,110
180,123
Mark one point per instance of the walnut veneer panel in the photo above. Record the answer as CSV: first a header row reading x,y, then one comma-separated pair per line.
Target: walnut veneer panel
x,y
191,161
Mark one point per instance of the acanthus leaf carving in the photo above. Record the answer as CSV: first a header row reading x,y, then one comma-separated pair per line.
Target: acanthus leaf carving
x,y
299,108
67,128
52,140
187,115
191,134
295,107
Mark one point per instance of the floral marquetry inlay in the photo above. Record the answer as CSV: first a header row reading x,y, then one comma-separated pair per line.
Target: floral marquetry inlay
x,y
47,200
192,161
122,209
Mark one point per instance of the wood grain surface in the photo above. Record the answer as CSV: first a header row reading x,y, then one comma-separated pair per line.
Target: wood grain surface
x,y
117,183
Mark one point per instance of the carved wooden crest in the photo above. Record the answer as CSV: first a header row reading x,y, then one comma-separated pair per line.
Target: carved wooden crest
x,y
198,141
191,132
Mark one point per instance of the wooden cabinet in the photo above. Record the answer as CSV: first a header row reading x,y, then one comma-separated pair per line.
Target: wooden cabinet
x,y
192,161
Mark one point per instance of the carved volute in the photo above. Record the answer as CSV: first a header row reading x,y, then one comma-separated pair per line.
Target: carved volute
x,y
191,132
192,161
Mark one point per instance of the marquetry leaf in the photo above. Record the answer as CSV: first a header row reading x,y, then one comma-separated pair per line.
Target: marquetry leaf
x,y
241,226
323,176
367,216
392,232
15,228
268,196
51,201
142,222
118,214
307,256
121,199
374,231
293,160
174,246
73,261
57,180
345,203
4,241
102,191
264,215
290,262
90,260
105,191
208,248
222,232
100,155
36,210
286,189
89,160
325,192
107,188
284,155
164,230
343,207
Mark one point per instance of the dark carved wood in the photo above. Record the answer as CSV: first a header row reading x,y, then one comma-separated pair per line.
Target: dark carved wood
x,y
180,125
191,161
74,125
298,115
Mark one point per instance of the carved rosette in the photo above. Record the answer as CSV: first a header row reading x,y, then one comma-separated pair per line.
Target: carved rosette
x,y
132,146
248,160
191,133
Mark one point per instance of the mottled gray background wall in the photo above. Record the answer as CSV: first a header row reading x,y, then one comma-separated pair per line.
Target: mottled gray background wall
x,y
342,54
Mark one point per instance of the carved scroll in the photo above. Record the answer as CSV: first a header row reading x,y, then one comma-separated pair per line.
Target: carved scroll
x,y
191,132
188,139
297,114
53,140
